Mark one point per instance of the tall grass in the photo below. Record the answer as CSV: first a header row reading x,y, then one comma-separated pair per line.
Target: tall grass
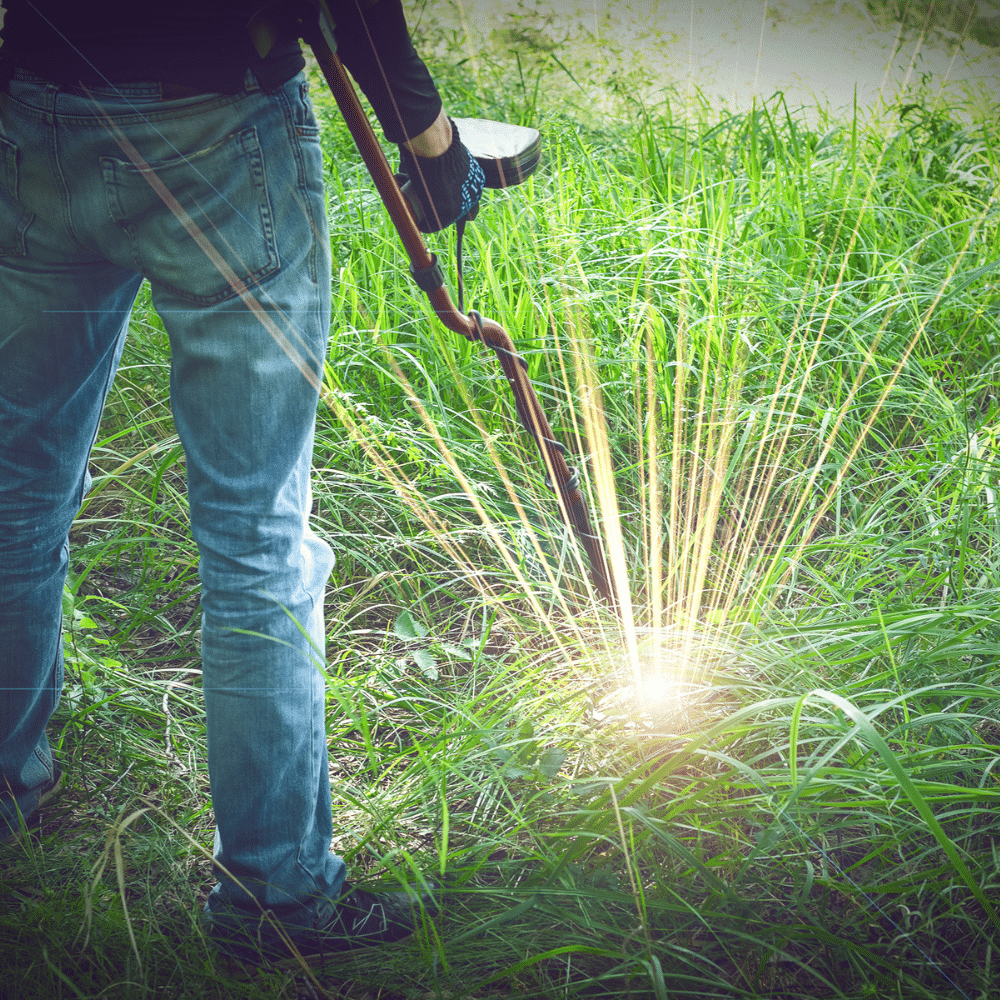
x,y
773,350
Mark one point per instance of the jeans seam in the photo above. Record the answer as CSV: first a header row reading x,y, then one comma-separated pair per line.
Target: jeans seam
x,y
8,154
49,770
300,178
66,207
109,379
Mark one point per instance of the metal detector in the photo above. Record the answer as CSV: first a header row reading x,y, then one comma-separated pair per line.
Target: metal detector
x,y
508,154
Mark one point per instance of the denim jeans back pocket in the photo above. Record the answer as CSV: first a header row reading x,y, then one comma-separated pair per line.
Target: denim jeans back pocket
x,y
14,218
200,225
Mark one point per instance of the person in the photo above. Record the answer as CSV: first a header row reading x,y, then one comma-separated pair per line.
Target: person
x,y
153,142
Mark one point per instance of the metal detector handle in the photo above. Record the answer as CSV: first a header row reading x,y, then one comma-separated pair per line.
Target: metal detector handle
x,y
428,274
406,188
508,155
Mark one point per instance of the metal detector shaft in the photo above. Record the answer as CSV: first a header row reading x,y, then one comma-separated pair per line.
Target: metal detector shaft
x,y
428,275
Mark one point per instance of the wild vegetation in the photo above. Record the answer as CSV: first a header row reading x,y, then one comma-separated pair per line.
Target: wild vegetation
x,y
773,350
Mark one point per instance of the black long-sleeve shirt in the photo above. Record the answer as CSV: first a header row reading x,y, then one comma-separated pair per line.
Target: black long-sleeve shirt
x,y
205,44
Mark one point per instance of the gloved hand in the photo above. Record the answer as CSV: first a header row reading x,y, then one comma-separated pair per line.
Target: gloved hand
x,y
447,187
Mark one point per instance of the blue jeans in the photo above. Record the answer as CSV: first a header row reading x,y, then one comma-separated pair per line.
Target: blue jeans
x,y
218,201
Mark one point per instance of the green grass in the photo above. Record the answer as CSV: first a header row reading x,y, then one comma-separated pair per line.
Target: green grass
x,y
773,349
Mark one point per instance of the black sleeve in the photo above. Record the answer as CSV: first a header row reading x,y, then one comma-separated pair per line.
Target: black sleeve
x,y
373,42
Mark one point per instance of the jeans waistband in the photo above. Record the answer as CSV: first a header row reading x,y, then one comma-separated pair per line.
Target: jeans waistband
x,y
160,89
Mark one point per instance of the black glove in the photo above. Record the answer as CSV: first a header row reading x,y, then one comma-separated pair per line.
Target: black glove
x,y
447,187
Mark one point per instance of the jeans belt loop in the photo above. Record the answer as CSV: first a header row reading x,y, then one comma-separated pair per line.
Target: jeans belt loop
x,y
250,84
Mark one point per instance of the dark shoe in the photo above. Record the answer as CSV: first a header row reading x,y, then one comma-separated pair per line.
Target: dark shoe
x,y
49,791
361,919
